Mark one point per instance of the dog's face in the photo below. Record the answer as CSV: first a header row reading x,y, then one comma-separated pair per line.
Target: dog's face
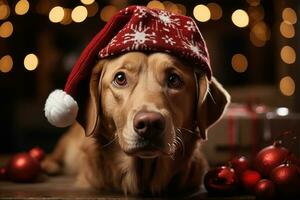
x,y
147,102
148,97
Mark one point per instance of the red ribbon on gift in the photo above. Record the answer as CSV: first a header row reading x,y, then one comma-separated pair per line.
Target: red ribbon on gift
x,y
242,111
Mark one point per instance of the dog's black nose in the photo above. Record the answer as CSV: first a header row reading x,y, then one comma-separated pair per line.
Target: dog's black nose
x,y
149,124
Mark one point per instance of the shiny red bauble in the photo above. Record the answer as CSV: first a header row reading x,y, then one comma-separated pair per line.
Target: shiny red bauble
x,y
23,168
287,179
249,179
264,189
239,164
221,180
3,173
37,153
269,158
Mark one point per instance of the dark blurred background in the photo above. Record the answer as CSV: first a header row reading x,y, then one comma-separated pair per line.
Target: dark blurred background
x,y
253,46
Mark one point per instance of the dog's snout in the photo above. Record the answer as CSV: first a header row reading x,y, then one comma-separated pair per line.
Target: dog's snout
x,y
149,124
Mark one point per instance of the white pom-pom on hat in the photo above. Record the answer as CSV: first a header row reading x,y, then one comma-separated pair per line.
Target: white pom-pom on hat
x,y
61,109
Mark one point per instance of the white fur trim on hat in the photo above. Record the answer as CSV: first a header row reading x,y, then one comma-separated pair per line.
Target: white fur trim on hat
x,y
61,109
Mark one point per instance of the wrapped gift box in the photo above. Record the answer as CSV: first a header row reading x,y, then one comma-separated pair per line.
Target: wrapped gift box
x,y
245,129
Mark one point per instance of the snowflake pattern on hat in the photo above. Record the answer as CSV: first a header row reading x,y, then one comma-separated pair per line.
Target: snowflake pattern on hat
x,y
168,40
194,47
168,19
139,36
190,25
142,12
159,30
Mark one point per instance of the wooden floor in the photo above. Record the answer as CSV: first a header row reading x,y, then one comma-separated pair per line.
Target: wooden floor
x,y
62,187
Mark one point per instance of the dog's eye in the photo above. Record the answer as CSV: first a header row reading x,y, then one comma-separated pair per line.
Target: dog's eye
x,y
174,80
120,79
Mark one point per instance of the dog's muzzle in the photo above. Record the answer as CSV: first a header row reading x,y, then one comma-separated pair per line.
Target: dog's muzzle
x,y
149,126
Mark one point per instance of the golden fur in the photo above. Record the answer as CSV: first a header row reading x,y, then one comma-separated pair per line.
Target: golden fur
x,y
105,160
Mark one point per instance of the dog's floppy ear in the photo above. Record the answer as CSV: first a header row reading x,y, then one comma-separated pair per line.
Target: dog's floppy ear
x,y
212,106
89,117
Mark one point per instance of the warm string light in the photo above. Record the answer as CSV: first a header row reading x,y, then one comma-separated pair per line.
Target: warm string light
x,y
240,18
215,11
79,14
6,64
67,17
260,32
255,40
107,12
92,9
6,29
4,11
287,53
201,13
156,5
56,14
287,30
31,62
256,13
239,63
22,7
287,86
87,2
59,14
289,16
168,6
181,9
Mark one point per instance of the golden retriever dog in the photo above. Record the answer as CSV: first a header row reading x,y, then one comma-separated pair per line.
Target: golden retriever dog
x,y
145,117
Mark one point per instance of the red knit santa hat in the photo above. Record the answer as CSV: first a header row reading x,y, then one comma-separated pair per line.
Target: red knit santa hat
x,y
134,28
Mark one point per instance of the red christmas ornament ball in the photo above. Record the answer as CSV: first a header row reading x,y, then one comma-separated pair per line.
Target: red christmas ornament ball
x,y
221,180
23,168
3,173
240,164
287,179
264,189
269,158
249,179
37,153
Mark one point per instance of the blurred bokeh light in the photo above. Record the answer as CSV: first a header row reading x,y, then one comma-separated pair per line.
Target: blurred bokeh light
x,y
287,86
22,7
56,14
240,18
31,62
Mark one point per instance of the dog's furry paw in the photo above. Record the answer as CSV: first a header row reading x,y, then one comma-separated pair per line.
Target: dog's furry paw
x,y
51,167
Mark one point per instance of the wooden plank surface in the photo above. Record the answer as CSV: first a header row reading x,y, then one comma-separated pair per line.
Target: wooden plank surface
x,y
62,187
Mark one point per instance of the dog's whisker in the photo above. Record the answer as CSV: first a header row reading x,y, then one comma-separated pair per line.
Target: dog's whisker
x,y
211,96
178,130
180,140
110,142
185,130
